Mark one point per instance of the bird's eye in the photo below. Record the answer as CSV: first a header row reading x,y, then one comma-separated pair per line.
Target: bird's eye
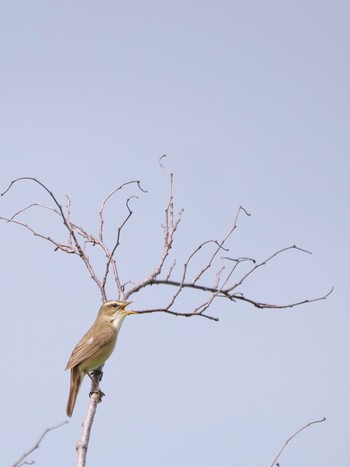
x,y
114,305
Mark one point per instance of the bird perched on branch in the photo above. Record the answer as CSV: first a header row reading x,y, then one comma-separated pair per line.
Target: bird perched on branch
x,y
96,346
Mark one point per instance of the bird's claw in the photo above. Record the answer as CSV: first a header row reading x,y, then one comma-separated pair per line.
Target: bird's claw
x,y
99,394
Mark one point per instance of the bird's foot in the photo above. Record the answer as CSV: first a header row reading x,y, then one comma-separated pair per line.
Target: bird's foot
x,y
99,393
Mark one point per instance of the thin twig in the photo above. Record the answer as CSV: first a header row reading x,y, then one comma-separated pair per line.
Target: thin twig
x,y
104,202
263,263
79,251
266,306
221,244
58,246
52,196
293,436
31,206
75,231
21,461
170,228
111,254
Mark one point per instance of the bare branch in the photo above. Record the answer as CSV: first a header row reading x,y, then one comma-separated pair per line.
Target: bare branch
x,y
263,263
104,202
52,196
75,231
161,163
221,244
22,461
221,287
175,313
77,248
280,307
293,436
96,396
226,294
111,254
171,269
68,207
171,224
170,227
31,206
58,246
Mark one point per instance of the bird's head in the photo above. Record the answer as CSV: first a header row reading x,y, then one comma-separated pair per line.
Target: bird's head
x,y
114,312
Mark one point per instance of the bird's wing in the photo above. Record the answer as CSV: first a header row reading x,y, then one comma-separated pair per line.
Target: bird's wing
x,y
88,345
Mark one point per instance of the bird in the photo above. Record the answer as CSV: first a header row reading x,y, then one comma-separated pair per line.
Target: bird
x,y
96,346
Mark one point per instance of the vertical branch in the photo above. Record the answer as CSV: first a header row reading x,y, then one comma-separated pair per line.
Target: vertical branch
x,y
110,255
95,397
68,207
170,226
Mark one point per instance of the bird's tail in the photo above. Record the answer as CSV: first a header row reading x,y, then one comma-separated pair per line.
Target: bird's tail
x,y
76,377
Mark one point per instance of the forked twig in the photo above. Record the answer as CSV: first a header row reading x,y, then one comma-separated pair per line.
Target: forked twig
x,y
221,288
75,232
263,263
221,244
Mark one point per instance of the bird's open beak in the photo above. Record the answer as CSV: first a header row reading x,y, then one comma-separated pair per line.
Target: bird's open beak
x,y
129,312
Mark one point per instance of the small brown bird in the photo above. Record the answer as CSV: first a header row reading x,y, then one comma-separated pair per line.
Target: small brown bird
x,y
96,346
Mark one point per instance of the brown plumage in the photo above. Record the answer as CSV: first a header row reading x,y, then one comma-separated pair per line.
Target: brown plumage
x,y
95,347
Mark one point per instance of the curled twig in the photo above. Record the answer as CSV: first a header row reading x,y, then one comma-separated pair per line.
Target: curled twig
x,y
108,197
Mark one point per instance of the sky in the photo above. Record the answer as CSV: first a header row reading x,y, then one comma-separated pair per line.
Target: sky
x,y
249,101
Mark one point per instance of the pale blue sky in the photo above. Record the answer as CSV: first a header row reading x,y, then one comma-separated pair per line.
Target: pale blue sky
x,y
250,101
